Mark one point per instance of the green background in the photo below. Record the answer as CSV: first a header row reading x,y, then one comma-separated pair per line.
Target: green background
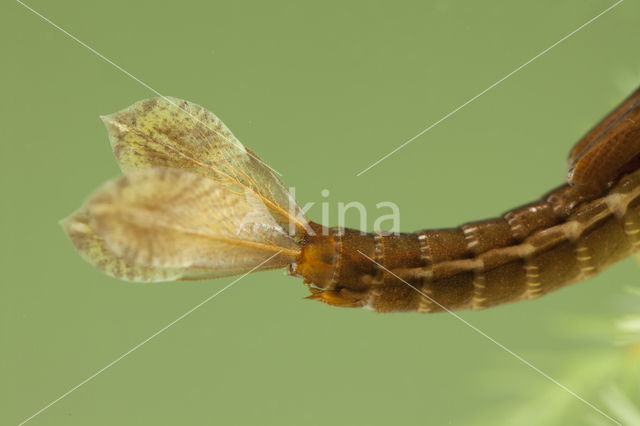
x,y
319,90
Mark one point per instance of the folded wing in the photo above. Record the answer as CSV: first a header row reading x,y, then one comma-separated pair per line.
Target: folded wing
x,y
162,224
171,132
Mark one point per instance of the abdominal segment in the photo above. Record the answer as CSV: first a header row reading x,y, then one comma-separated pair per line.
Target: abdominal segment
x,y
569,235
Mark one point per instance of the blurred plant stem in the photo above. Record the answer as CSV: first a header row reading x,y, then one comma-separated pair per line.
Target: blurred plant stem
x,y
606,373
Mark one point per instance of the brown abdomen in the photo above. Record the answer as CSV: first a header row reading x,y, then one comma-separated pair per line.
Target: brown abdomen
x,y
569,235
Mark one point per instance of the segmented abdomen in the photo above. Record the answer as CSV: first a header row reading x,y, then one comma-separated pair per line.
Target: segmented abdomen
x,y
569,235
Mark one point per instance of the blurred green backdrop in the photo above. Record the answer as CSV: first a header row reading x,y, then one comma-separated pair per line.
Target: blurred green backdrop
x,y
319,90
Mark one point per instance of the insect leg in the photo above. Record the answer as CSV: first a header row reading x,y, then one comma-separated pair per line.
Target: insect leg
x,y
342,298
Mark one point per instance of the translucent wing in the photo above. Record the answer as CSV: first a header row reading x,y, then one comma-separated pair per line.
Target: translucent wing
x,y
159,224
171,132
94,250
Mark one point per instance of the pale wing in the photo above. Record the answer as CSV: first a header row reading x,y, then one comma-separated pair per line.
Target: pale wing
x,y
171,132
166,221
93,249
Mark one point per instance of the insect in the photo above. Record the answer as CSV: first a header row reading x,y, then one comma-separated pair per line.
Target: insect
x,y
194,203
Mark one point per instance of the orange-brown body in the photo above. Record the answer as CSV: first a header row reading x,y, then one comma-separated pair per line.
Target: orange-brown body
x,y
570,234
194,203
